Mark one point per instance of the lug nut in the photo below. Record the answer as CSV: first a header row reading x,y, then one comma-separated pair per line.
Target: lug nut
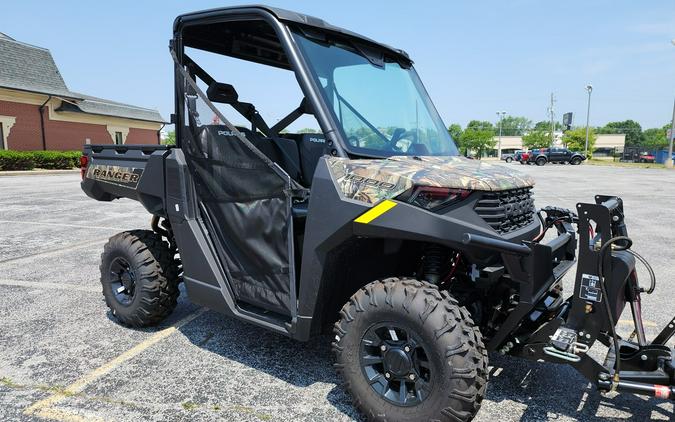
x,y
387,375
406,348
383,347
411,376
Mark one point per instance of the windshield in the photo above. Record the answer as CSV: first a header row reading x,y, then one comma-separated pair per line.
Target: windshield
x,y
381,106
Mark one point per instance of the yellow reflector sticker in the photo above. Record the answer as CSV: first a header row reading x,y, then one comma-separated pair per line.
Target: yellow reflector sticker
x,y
375,212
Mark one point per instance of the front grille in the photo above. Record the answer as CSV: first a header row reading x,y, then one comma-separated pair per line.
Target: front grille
x,y
507,210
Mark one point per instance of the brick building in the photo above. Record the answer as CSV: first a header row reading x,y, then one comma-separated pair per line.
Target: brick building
x,y
39,112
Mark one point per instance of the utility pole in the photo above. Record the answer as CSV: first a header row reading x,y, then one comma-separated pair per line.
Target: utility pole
x,y
551,111
589,88
499,145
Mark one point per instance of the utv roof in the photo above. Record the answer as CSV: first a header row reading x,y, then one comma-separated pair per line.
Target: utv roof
x,y
285,16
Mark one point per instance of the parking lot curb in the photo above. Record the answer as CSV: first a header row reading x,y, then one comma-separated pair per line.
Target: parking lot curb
x,y
37,172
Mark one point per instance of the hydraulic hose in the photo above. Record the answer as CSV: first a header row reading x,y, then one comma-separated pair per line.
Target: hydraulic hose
x,y
626,243
652,276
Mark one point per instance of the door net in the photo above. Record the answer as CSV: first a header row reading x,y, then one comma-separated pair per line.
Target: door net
x,y
245,198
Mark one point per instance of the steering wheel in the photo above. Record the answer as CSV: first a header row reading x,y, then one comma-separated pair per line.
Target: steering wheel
x,y
354,141
398,135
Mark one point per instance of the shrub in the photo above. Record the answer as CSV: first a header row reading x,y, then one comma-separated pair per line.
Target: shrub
x,y
27,160
16,160
53,159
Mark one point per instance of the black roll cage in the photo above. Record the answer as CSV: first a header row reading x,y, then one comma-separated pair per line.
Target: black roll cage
x,y
312,100
278,20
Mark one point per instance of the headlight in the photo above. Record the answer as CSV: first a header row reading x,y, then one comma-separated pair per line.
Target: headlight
x,y
433,197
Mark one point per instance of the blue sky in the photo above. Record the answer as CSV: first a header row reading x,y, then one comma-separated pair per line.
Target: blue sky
x,y
474,57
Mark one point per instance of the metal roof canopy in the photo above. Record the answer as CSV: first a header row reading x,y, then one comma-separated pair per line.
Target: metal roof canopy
x,y
257,42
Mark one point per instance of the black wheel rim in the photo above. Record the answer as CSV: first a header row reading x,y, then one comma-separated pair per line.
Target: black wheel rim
x,y
396,364
122,281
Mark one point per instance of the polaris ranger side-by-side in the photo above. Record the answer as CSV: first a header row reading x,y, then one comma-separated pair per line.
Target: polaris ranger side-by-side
x,y
425,259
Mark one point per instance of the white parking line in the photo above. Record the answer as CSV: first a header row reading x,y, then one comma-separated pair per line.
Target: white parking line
x,y
54,251
50,285
44,407
44,223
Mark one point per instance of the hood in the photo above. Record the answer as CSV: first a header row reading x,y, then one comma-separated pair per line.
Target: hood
x,y
371,180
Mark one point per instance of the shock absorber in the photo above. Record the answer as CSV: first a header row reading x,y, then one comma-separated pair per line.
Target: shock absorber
x,y
435,258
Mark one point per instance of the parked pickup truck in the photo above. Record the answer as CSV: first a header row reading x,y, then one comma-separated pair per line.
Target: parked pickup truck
x,y
555,155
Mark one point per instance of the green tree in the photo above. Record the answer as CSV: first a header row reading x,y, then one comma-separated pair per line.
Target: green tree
x,y
545,126
478,136
575,140
455,130
480,125
170,138
656,138
308,130
631,128
514,125
536,139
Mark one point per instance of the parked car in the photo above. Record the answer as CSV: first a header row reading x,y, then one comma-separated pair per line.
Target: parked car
x,y
522,157
533,154
647,157
509,157
555,155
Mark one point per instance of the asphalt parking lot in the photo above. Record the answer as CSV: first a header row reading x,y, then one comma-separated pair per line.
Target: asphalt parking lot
x,y
63,358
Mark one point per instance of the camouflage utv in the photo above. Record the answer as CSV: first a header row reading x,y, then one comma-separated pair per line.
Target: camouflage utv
x,y
425,259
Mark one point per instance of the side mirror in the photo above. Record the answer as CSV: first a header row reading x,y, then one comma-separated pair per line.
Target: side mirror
x,y
222,93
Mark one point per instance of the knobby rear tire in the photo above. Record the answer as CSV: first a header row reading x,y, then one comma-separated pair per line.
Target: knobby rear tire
x,y
155,272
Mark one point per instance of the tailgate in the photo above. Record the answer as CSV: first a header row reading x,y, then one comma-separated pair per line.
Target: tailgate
x,y
126,171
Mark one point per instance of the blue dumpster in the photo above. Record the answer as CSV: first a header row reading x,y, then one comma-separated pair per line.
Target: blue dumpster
x,y
661,156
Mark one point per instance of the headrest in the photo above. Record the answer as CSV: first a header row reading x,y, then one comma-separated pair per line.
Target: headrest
x,y
314,138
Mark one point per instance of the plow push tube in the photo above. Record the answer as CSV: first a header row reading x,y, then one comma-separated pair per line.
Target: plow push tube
x,y
655,390
510,247
495,244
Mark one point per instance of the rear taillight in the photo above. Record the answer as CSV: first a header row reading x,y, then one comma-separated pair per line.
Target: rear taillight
x,y
84,162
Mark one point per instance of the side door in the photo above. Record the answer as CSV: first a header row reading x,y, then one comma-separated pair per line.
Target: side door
x,y
244,200
554,154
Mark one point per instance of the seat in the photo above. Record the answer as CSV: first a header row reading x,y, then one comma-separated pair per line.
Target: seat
x,y
311,147
271,149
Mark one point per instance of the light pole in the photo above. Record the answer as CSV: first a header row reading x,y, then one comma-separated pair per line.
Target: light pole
x,y
669,158
589,88
499,145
